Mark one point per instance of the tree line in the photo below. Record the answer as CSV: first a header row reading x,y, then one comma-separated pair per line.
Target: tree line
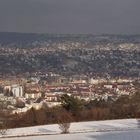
x,y
75,110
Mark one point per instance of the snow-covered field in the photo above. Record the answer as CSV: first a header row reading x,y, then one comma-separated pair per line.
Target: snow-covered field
x,y
127,129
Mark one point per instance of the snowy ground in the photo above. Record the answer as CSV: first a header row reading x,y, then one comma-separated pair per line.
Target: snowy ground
x,y
127,129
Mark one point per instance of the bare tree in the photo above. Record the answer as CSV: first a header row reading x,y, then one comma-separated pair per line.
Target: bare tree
x,y
64,127
3,126
4,114
64,122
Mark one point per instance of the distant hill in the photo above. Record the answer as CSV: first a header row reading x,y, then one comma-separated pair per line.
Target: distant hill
x,y
30,39
65,54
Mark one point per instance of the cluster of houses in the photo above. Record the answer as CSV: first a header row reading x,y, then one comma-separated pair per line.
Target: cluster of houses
x,y
51,93
34,95
33,92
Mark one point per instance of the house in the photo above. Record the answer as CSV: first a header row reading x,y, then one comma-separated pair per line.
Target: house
x,y
32,91
53,97
32,94
16,90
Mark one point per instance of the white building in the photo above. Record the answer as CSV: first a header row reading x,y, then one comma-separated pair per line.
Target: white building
x,y
17,90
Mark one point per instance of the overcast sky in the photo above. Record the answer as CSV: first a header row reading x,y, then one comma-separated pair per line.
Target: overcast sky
x,y
71,16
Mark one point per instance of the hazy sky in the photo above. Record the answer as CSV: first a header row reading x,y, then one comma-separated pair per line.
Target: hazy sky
x,y
71,16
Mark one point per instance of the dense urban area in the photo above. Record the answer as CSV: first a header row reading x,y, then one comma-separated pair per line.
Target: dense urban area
x,y
68,75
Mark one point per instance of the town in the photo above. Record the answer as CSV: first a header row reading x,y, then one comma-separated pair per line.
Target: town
x,y
25,93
